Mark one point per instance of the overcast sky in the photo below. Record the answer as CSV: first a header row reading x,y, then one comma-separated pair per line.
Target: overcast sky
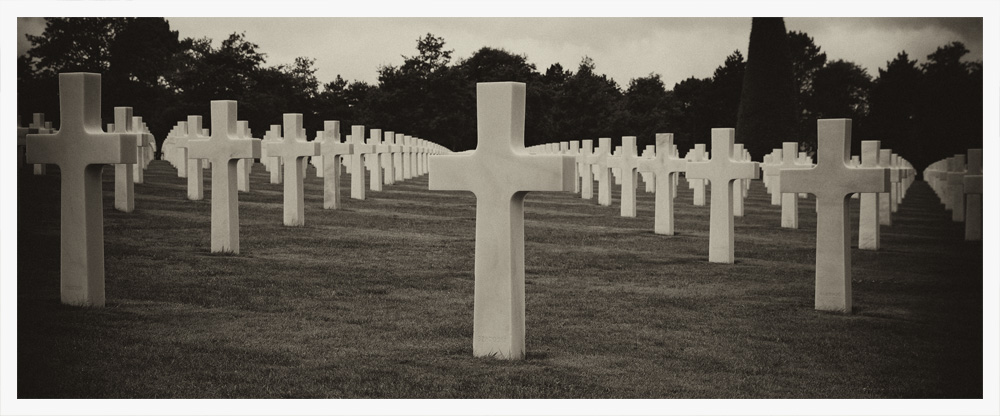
x,y
623,48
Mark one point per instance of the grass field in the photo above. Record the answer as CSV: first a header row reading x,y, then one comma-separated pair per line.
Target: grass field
x,y
375,301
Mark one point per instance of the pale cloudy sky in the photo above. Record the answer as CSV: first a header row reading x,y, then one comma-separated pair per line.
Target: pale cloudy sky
x,y
623,48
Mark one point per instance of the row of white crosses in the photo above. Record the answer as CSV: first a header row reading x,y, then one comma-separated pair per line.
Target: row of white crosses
x,y
38,125
127,175
81,149
958,183
500,171
285,150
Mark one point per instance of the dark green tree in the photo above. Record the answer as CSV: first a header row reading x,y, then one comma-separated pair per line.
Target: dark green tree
x,y
725,90
592,106
692,117
894,107
647,106
767,112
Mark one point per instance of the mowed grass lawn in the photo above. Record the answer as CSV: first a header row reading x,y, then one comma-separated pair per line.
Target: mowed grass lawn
x,y
375,301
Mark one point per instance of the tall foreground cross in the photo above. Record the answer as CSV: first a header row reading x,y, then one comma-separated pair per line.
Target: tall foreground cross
x,y
500,173
721,170
833,182
224,148
81,148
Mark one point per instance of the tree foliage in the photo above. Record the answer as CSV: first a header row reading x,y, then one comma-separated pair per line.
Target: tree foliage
x,y
767,112
924,112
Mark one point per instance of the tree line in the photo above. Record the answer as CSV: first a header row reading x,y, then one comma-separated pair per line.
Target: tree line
x,y
924,112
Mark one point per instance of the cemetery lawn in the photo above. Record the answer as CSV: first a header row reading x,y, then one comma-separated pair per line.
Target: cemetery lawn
x,y
375,301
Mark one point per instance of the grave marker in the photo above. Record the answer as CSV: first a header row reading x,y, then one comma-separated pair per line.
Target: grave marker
x,y
884,198
599,160
124,179
224,148
292,148
721,170
666,166
81,149
627,161
583,168
500,173
195,167
868,224
375,159
832,181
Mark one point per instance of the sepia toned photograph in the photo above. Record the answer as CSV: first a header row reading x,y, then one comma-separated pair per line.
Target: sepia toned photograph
x,y
342,206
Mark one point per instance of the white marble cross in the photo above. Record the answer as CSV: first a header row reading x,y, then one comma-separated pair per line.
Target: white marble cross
x,y
399,156
331,149
789,200
407,160
195,167
574,150
358,161
292,148
225,147
721,170
627,161
144,144
41,127
244,166
124,175
375,158
738,185
81,148
389,140
973,187
586,174
500,173
272,163
772,172
868,224
599,160
698,154
832,181
665,166
885,198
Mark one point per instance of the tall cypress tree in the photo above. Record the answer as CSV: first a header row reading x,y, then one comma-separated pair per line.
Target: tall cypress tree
x,y
767,111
